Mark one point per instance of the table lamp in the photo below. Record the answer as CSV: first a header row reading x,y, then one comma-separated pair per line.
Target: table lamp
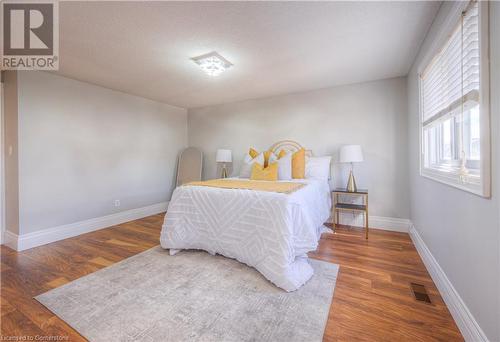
x,y
223,156
351,154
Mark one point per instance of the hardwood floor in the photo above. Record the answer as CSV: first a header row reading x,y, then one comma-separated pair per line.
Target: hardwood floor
x,y
372,301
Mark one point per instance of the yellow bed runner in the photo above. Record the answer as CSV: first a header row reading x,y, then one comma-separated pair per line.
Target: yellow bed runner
x,y
271,186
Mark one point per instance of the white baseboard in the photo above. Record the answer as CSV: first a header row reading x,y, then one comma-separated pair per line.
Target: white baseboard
x,y
389,223
10,239
376,222
468,326
30,240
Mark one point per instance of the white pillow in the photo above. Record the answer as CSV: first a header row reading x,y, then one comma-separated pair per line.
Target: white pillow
x,y
318,167
284,165
246,168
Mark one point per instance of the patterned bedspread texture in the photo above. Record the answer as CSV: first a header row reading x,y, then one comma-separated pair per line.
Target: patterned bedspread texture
x,y
267,230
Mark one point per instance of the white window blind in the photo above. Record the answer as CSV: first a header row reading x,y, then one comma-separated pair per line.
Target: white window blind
x,y
454,103
452,78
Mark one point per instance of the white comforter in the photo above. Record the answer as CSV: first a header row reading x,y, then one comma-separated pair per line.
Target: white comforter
x,y
269,231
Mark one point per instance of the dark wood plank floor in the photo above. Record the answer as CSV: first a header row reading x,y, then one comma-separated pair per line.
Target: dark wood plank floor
x,y
372,300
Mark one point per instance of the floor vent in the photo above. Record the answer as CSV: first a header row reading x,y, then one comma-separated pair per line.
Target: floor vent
x,y
420,293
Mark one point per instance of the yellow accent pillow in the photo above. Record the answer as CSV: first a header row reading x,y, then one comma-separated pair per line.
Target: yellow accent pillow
x,y
267,154
269,173
253,153
281,154
299,164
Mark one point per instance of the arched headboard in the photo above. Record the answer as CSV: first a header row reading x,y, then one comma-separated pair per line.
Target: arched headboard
x,y
288,145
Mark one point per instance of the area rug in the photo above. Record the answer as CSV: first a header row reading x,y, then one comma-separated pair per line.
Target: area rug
x,y
192,296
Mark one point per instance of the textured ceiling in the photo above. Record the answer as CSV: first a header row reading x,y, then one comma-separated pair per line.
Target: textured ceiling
x,y
144,48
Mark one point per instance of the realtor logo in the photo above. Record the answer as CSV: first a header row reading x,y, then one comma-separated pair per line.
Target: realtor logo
x,y
30,33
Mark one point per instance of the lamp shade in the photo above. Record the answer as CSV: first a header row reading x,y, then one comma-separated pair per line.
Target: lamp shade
x,y
350,154
223,156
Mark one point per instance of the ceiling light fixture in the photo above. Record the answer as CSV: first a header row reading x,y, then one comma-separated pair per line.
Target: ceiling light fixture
x,y
212,63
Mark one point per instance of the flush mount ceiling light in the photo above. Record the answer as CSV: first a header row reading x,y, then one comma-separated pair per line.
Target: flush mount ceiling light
x,y
212,63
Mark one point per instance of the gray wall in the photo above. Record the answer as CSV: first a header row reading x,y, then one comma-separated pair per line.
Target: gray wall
x,y
11,152
461,229
82,146
371,114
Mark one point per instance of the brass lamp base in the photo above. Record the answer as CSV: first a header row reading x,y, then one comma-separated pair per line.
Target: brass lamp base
x,y
224,171
351,183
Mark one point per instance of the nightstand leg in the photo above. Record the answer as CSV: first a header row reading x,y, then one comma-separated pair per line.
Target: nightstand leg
x,y
336,212
366,219
334,200
366,228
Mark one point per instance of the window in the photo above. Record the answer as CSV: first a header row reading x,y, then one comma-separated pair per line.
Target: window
x,y
454,106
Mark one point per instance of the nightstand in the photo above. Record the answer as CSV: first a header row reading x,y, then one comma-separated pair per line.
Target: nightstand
x,y
339,206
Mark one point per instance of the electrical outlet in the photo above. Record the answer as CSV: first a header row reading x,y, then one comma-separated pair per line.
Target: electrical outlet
x,y
117,203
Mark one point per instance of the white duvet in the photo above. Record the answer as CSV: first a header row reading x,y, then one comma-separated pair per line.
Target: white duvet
x,y
269,231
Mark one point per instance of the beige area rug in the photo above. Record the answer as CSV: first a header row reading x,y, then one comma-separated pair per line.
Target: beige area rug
x,y
192,296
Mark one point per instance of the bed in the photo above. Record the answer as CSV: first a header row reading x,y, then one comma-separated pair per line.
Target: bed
x,y
269,231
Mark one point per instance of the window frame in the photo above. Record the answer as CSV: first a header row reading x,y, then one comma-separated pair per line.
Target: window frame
x,y
479,184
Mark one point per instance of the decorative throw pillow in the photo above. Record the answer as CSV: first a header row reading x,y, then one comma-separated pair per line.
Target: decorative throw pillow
x,y
318,167
284,165
259,172
299,164
253,153
282,154
246,168
267,154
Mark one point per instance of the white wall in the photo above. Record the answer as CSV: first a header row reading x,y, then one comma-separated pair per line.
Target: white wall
x,y
82,146
10,147
2,163
461,229
370,114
